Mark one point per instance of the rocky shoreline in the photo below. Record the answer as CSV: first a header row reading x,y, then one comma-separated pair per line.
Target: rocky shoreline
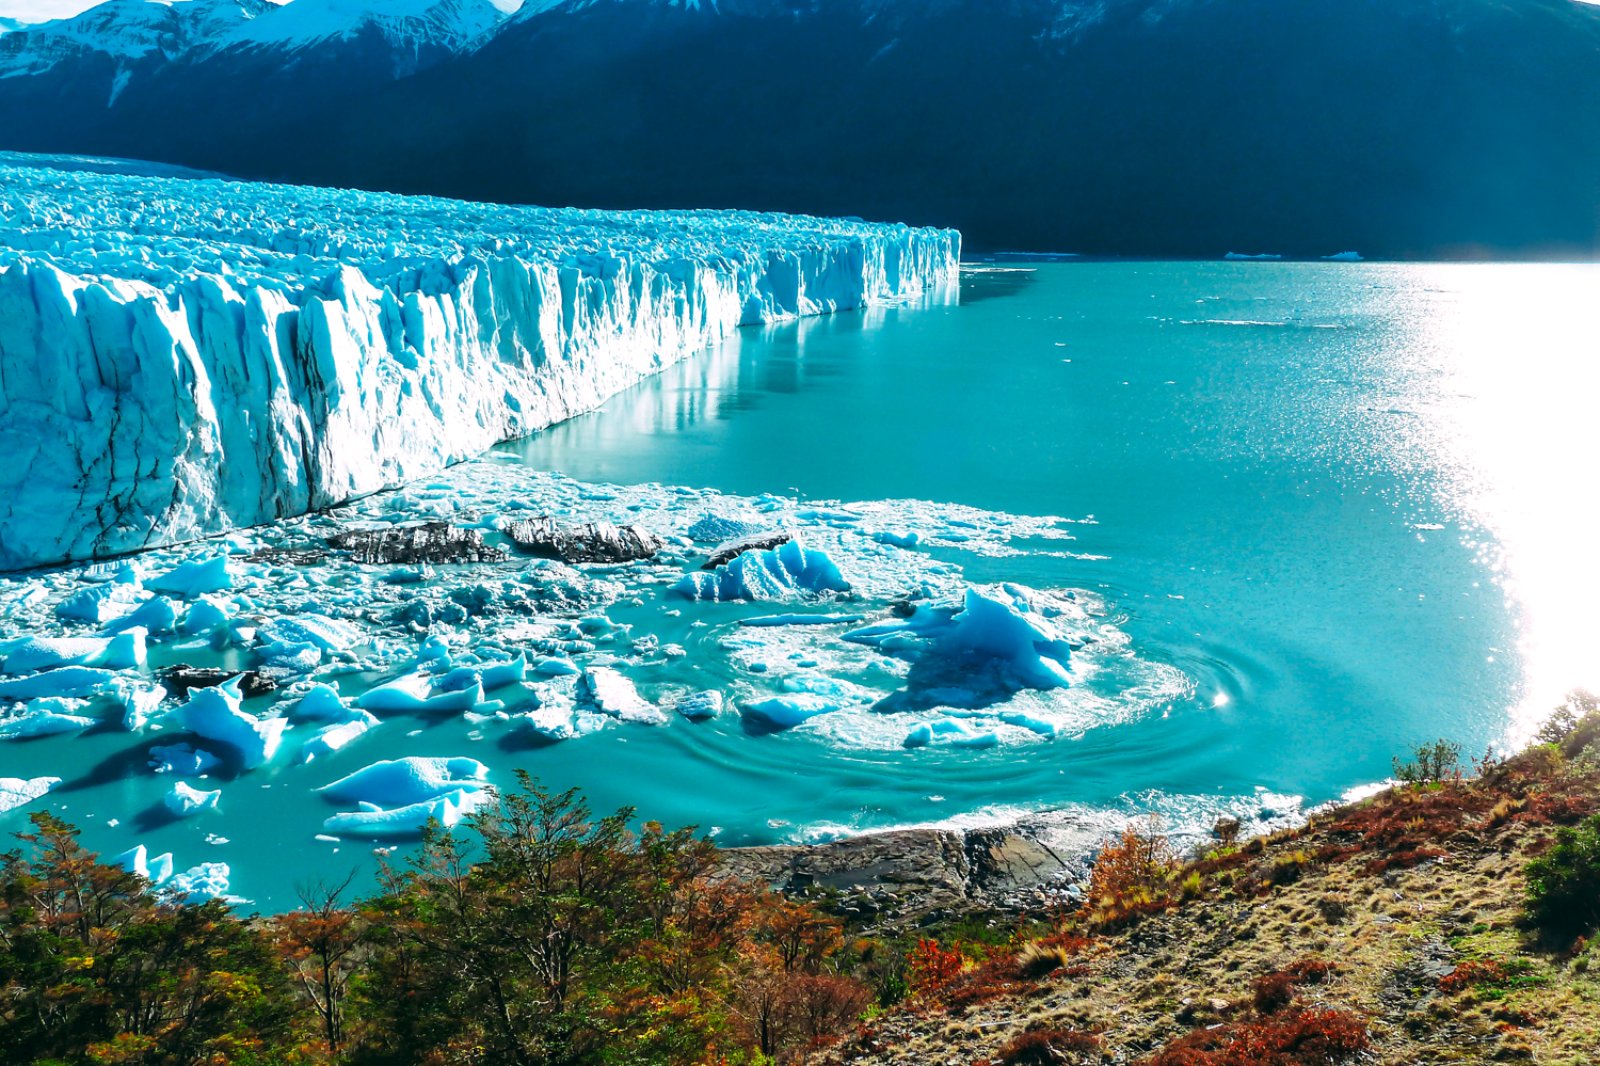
x,y
907,878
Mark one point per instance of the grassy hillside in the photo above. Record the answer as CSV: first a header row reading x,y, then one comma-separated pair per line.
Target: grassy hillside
x,y
1403,929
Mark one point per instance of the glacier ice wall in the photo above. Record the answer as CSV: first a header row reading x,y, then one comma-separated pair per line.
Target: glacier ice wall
x,y
183,357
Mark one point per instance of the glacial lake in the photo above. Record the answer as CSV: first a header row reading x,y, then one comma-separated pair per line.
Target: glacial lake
x,y
1319,513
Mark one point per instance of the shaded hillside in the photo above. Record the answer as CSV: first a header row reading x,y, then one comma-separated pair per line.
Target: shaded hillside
x,y
1181,127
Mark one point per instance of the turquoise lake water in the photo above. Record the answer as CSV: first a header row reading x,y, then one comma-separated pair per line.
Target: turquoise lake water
x,y
1352,503
1324,512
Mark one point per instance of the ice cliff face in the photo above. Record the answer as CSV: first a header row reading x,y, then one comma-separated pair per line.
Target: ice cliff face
x,y
179,358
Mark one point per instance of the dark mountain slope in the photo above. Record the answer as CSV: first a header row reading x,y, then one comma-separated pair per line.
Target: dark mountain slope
x,y
1185,127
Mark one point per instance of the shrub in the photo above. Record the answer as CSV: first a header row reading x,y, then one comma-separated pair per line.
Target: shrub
x,y
1050,1047
1563,899
1431,763
1132,875
1040,958
1290,1038
933,968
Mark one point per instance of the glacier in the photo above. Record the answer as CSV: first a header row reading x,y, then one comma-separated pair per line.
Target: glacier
x,y
184,357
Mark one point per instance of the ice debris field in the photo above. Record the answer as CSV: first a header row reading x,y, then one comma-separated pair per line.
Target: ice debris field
x,y
307,692
182,357
402,627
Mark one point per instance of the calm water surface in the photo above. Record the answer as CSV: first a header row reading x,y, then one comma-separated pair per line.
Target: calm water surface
x,y
1353,503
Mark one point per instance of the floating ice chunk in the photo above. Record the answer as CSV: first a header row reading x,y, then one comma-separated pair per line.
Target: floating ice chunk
x,y
298,658
16,791
204,616
1344,257
715,529
209,880
184,800
1244,256
615,695
322,703
767,620
137,860
319,631
997,640
898,540
182,759
557,666
766,575
214,713
65,681
124,652
948,731
372,821
701,705
99,604
1030,722
157,615
331,738
409,694
192,579
397,782
787,711
490,675
45,717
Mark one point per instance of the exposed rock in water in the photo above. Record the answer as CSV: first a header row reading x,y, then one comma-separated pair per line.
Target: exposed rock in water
x,y
592,542
431,542
726,553
181,678
912,876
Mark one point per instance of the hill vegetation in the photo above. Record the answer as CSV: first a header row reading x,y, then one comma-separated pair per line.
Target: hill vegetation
x,y
1448,919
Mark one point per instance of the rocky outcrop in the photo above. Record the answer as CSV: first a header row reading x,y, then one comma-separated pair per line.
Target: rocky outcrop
x,y
910,877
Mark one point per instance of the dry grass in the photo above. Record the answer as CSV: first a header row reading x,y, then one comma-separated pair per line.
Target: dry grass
x,y
1398,917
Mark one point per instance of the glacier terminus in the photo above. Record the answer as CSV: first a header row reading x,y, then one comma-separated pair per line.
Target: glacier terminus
x,y
182,356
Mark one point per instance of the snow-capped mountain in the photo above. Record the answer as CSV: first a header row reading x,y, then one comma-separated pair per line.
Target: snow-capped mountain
x,y
1183,127
129,33
126,31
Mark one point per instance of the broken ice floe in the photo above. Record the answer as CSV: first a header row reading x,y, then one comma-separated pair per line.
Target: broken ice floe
x,y
845,625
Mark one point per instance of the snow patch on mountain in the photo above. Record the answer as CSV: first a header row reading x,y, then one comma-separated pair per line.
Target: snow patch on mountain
x,y
183,357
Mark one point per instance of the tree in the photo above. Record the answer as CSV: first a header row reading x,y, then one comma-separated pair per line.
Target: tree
x,y
318,944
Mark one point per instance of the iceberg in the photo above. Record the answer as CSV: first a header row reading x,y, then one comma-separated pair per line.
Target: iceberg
x,y
991,643
72,682
186,357
616,696
45,717
184,800
138,860
17,791
766,574
784,712
28,654
699,706
195,578
209,880
409,694
330,738
407,821
399,782
214,713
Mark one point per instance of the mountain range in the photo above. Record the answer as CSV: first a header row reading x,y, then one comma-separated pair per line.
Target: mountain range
x,y
1405,128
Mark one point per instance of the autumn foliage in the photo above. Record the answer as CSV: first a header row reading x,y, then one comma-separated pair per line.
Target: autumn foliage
x,y
565,938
